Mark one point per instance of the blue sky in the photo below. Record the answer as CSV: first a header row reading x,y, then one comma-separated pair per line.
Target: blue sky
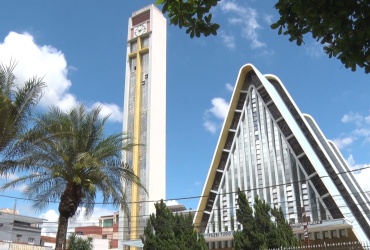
x,y
80,47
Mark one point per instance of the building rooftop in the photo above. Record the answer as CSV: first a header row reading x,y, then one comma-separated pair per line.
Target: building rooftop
x,y
177,208
18,217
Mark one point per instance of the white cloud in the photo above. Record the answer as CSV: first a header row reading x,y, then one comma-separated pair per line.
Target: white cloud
x,y
220,107
268,18
210,126
343,142
250,29
172,203
49,227
21,188
227,40
367,119
314,50
219,110
110,109
47,62
265,53
363,179
229,87
229,6
11,177
247,18
365,132
235,20
362,129
361,176
353,117
351,160
43,61
51,216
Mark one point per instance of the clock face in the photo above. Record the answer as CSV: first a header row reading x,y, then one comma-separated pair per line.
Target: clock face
x,y
139,30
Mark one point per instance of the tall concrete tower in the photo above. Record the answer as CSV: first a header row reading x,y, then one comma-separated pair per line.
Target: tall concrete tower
x,y
145,118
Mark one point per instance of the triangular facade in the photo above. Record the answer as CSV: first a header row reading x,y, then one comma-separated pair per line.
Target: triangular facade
x,y
268,148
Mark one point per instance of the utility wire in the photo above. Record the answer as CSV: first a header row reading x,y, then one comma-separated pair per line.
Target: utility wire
x,y
200,196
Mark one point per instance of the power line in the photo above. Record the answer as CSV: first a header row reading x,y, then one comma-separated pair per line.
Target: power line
x,y
228,208
199,196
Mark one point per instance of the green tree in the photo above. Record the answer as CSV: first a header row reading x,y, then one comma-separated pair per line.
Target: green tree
x,y
78,243
16,104
341,26
244,214
263,227
67,157
192,14
165,230
185,233
283,235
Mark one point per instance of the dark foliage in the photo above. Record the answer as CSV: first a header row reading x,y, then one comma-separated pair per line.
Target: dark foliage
x,y
263,228
341,26
165,230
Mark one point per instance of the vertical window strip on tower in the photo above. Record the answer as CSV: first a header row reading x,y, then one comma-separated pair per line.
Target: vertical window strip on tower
x,y
144,206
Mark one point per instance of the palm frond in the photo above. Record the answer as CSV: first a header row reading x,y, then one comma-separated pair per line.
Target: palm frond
x,y
26,98
7,78
16,104
67,153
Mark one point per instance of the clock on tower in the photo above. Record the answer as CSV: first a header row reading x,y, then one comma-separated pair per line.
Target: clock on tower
x,y
140,29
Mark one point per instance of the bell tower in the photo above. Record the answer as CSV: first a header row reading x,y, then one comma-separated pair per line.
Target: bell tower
x,y
145,118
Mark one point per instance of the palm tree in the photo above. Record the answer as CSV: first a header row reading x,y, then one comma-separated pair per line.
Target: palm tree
x,y
68,158
78,243
16,104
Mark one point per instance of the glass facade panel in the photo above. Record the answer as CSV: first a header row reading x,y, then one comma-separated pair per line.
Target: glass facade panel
x,y
280,154
262,162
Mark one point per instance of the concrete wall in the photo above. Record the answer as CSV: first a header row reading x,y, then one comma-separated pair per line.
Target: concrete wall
x,y
16,246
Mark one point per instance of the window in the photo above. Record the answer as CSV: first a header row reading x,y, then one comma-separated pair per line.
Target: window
x,y
226,243
31,241
108,223
326,235
19,237
104,236
334,234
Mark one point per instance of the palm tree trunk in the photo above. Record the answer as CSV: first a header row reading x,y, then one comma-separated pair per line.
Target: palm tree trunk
x,y
62,233
69,202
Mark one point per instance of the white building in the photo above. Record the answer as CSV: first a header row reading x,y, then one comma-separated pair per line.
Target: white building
x,y
267,147
18,228
145,116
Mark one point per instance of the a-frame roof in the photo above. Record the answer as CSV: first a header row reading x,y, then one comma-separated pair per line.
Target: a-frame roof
x,y
322,163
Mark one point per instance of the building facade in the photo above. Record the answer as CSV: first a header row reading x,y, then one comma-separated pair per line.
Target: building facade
x,y
107,230
145,117
19,228
267,147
